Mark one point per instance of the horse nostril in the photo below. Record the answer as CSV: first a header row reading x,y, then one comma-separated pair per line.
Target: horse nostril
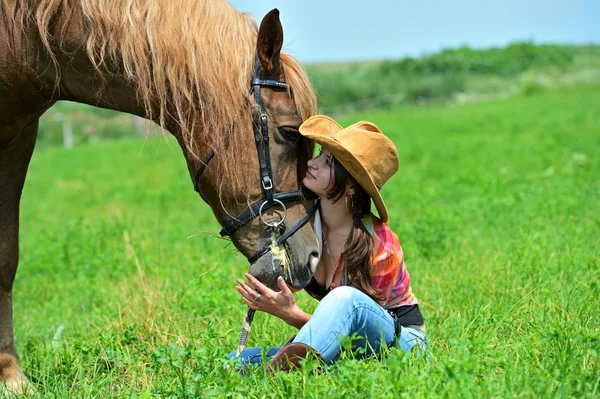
x,y
313,261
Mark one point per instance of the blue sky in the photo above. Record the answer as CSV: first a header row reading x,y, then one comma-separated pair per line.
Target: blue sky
x,y
326,30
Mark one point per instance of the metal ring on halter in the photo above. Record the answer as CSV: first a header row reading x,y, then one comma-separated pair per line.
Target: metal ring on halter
x,y
275,224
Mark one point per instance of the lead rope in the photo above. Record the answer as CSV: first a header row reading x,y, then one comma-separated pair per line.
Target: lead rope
x,y
280,258
245,333
280,252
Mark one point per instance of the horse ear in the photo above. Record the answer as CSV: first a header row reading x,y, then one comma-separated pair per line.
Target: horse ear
x,y
270,41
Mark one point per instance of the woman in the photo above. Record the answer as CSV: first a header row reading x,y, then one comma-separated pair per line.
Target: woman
x,y
361,279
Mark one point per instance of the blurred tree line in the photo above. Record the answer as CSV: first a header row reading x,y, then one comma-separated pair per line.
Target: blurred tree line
x,y
442,76
461,74
68,124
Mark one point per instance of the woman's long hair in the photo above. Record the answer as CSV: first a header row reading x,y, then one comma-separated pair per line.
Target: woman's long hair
x,y
358,252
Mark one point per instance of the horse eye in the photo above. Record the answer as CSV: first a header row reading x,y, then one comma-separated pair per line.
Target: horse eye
x,y
289,133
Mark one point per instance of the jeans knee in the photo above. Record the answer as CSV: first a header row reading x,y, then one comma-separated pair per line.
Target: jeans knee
x,y
343,301
345,295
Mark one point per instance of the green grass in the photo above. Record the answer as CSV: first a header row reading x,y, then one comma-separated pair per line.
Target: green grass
x,y
497,206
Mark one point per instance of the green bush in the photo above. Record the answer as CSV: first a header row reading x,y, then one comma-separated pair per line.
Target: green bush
x,y
531,87
440,76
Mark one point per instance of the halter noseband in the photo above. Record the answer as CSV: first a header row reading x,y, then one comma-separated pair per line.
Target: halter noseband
x,y
270,197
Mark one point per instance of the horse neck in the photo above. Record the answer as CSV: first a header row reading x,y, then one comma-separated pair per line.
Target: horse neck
x,y
62,66
80,83
60,70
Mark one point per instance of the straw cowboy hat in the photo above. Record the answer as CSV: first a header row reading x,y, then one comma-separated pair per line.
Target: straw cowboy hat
x,y
369,156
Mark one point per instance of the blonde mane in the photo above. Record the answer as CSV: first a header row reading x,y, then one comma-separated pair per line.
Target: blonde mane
x,y
190,59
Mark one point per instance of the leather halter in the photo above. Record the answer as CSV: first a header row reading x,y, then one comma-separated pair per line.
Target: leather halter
x,y
270,197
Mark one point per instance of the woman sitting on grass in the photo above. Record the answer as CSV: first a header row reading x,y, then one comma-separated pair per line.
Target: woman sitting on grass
x,y
361,279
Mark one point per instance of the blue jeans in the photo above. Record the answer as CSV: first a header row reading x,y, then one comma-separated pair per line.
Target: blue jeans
x,y
346,313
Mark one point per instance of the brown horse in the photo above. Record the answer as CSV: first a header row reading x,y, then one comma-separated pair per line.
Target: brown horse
x,y
186,65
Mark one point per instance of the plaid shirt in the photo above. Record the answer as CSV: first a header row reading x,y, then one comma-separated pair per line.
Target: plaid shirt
x,y
389,275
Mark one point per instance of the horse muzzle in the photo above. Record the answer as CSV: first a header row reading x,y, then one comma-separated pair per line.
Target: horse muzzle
x,y
297,274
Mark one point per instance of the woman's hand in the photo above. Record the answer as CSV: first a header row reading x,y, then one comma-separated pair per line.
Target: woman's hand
x,y
279,304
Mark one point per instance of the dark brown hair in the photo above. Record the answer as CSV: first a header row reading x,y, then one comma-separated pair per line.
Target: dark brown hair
x,y
358,252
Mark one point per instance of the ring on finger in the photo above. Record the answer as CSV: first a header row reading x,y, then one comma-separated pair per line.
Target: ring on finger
x,y
257,298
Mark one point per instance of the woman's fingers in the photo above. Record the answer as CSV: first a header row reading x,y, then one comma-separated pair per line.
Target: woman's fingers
x,y
283,286
266,290
243,292
247,288
252,305
250,294
250,300
259,286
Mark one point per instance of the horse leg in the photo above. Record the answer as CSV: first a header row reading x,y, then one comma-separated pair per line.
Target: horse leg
x,y
15,153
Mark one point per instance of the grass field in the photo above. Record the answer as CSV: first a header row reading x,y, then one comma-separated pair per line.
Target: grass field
x,y
497,206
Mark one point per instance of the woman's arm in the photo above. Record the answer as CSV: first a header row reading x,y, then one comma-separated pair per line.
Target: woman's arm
x,y
298,318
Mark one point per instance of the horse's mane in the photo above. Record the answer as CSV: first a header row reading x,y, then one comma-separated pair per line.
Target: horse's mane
x,y
191,60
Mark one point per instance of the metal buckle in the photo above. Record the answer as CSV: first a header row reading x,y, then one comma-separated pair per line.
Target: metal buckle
x,y
267,184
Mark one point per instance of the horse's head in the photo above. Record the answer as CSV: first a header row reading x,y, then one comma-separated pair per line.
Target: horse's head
x,y
256,196
204,72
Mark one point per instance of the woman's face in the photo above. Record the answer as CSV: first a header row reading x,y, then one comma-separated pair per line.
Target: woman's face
x,y
319,177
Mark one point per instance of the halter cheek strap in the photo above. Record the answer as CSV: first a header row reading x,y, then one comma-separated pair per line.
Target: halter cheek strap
x,y
201,169
270,198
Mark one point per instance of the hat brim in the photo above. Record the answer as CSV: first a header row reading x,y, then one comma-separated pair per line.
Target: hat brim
x,y
352,165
